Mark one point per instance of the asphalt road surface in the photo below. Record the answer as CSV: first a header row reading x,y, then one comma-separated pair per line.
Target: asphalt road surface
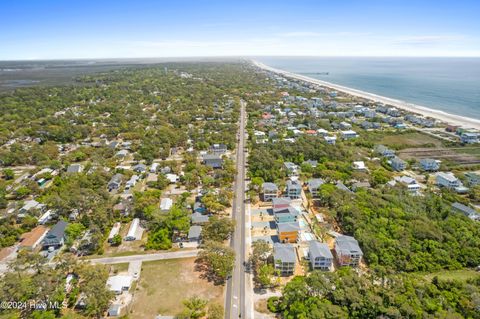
x,y
235,295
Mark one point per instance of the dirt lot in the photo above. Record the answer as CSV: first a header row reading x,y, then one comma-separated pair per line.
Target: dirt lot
x,y
165,284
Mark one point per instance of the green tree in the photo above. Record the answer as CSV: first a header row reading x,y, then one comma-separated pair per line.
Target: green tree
x,y
195,308
8,174
217,260
218,229
116,240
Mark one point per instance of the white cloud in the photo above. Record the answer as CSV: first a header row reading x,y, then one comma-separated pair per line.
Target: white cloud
x,y
425,40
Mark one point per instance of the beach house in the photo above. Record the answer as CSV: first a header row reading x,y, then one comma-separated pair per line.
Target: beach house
x,y
398,164
314,185
270,191
294,189
348,251
288,232
285,258
320,255
429,164
349,134
281,202
285,215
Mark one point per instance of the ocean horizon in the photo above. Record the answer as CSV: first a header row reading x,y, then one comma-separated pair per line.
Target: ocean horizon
x,y
451,85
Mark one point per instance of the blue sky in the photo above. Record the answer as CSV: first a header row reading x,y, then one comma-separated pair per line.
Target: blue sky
x,y
50,29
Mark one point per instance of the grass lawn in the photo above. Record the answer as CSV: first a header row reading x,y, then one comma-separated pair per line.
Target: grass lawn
x,y
410,139
118,268
462,274
164,284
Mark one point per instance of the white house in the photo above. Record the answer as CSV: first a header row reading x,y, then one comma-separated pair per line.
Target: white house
x,y
348,134
330,139
133,231
114,231
166,204
359,166
119,283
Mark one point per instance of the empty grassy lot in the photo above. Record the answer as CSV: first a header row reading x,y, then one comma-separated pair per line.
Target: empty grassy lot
x,y
462,274
165,284
409,139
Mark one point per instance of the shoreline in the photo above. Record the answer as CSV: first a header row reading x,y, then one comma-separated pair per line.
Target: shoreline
x,y
409,107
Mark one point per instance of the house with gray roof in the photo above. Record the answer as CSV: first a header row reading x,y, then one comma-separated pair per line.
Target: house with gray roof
x,y
285,258
472,178
270,191
195,233
466,210
115,182
140,168
348,251
429,164
320,255
314,185
294,189
291,168
55,236
212,160
398,164
285,215
384,151
198,219
74,168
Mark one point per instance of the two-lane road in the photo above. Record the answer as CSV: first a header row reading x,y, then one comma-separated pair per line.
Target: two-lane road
x,y
235,296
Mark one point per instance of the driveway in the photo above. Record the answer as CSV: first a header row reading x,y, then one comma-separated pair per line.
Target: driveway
x,y
146,257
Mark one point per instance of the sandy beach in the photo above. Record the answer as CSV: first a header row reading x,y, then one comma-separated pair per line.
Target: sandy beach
x,y
425,111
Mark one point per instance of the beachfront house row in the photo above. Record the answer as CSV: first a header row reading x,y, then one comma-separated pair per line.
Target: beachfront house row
x,y
320,256
348,251
270,191
288,232
285,258
398,164
314,185
294,189
429,164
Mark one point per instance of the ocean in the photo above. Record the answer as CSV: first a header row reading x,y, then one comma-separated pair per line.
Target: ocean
x,y
451,85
